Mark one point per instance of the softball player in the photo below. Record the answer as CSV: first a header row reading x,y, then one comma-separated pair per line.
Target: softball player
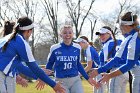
x,y
110,46
92,57
7,29
65,58
128,24
15,45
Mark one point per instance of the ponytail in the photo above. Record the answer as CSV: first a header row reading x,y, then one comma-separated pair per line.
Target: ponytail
x,y
91,44
13,34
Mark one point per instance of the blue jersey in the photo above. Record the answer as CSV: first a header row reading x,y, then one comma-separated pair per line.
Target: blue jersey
x,y
133,53
107,48
19,48
121,55
92,55
66,60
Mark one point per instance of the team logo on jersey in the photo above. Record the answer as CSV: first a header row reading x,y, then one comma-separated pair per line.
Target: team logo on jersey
x,y
75,51
58,52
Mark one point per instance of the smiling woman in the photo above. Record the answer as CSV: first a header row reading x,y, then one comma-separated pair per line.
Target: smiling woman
x,y
67,64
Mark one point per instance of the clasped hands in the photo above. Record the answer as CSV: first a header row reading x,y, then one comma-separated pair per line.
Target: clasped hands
x,y
93,73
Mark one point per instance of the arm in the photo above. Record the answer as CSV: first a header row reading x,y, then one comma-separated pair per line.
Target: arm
x,y
89,66
109,65
40,73
26,71
50,60
120,71
82,71
24,51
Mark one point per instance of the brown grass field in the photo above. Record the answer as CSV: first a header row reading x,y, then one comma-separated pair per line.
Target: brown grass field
x,y
31,88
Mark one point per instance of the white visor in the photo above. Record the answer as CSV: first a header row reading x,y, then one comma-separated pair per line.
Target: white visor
x,y
80,40
103,31
27,27
126,22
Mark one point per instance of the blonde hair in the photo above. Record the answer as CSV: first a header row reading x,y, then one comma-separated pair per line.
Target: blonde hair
x,y
66,26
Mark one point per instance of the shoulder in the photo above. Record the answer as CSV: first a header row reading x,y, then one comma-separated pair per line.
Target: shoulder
x,y
55,46
76,46
20,41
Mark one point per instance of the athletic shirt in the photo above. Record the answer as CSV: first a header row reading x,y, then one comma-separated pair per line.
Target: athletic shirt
x,y
92,55
66,60
17,49
107,48
121,55
133,53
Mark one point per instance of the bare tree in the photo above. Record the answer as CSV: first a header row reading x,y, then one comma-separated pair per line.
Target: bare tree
x,y
76,12
51,9
123,6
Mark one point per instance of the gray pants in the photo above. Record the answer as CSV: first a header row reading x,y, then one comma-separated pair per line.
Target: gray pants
x,y
136,79
7,83
118,84
72,84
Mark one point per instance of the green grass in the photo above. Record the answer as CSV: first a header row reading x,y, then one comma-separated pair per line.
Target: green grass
x,y
31,88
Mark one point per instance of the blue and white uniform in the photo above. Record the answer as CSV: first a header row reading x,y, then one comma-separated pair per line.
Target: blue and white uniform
x,y
91,55
107,48
18,47
106,53
119,59
65,59
132,61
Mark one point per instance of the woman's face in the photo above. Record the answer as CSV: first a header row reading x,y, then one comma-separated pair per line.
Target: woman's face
x,y
104,37
83,45
123,29
29,33
67,35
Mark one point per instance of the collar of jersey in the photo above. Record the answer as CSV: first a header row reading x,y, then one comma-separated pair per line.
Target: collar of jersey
x,y
107,40
64,45
22,36
130,33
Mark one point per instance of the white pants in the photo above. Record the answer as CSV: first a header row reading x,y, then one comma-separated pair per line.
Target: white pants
x,y
118,84
136,79
7,83
72,84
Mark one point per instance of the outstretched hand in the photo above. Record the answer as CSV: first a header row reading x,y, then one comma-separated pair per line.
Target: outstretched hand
x,y
58,88
40,85
105,78
21,81
94,83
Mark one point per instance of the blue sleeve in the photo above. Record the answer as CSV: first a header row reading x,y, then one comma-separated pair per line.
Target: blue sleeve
x,y
95,56
82,71
101,58
24,51
129,65
50,60
40,73
109,65
26,71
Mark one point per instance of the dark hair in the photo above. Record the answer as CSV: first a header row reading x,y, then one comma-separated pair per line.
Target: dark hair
x,y
128,16
23,21
8,27
85,38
